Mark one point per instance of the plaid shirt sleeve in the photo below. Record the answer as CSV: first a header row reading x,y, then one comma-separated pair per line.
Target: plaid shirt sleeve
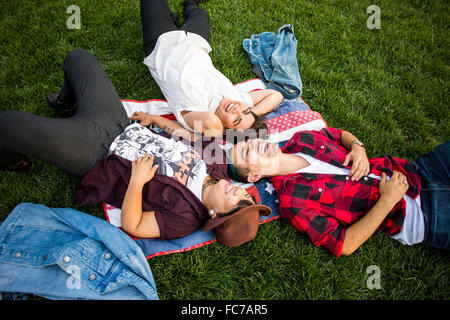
x,y
298,206
332,134
324,231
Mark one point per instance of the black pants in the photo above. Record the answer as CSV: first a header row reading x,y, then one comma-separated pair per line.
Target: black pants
x,y
157,19
74,144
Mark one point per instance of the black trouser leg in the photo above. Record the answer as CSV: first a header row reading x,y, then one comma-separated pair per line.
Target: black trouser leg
x,y
197,20
95,95
156,19
62,142
75,144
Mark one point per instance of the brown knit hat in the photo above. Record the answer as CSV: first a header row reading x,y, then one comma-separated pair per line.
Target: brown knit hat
x,y
239,227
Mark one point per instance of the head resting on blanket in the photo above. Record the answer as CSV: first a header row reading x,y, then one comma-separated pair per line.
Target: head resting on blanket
x,y
237,115
252,159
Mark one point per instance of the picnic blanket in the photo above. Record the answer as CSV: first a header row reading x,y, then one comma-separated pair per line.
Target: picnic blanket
x,y
289,117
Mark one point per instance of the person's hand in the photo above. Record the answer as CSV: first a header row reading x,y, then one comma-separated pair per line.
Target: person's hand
x,y
394,189
142,170
360,166
144,118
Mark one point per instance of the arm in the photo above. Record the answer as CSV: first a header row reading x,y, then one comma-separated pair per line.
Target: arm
x,y
135,221
391,192
168,126
347,139
205,122
265,100
357,155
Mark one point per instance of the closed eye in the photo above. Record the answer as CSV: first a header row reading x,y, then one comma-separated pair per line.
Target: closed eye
x,y
246,154
249,198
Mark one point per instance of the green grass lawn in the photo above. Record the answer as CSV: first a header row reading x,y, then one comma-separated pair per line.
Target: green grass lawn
x,y
389,87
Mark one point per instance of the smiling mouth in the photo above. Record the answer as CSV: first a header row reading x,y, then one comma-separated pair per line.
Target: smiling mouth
x,y
228,188
229,107
263,147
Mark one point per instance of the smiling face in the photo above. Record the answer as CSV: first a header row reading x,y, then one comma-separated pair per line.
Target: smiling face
x,y
234,114
259,157
223,197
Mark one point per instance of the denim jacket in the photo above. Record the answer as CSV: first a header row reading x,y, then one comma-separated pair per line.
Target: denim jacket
x,y
66,254
275,60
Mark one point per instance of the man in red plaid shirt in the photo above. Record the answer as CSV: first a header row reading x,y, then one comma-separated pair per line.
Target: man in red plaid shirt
x,y
330,190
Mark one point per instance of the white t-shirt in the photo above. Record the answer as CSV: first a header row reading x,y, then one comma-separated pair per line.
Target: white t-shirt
x,y
181,66
174,158
413,229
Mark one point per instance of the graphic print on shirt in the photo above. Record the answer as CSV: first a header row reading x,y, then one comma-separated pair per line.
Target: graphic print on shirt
x,y
174,158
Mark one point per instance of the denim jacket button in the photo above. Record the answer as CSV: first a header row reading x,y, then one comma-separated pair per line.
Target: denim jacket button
x,y
107,256
18,254
66,259
92,277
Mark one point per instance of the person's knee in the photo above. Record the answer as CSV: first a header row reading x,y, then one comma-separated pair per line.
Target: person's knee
x,y
76,56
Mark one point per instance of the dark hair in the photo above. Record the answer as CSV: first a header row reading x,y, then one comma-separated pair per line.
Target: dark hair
x,y
240,205
238,173
260,126
258,129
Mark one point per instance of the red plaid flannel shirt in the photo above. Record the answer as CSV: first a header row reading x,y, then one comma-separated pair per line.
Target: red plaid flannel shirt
x,y
324,205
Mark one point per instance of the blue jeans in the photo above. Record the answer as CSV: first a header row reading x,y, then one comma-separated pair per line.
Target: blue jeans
x,y
435,195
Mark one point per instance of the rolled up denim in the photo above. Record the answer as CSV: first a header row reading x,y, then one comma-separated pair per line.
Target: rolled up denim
x,y
274,58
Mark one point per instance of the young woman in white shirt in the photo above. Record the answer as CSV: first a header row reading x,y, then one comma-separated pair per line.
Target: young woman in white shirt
x,y
201,97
